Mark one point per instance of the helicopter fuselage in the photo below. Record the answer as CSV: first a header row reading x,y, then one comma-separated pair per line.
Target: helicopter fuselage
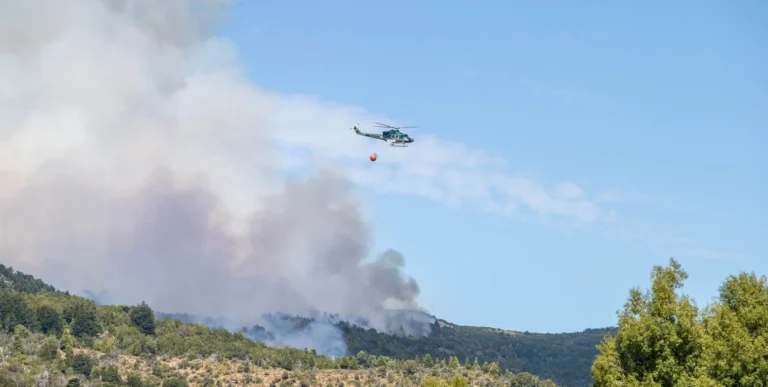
x,y
393,137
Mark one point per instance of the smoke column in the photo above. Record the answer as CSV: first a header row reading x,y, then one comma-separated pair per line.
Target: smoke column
x,y
135,157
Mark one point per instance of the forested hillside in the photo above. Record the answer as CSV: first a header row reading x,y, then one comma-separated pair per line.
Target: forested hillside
x,y
15,280
663,339
565,358
56,339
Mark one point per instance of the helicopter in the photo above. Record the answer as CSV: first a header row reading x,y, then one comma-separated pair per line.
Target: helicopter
x,y
392,135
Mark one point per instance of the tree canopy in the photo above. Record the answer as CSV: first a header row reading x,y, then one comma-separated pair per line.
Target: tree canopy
x,y
663,339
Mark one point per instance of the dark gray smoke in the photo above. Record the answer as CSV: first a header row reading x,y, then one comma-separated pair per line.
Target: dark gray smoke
x,y
135,158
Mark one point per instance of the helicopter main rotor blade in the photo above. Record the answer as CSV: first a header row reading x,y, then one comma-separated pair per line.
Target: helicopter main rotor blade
x,y
380,125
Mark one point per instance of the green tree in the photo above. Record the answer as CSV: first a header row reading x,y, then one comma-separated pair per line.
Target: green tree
x,y
67,343
411,367
84,321
347,363
525,379
737,327
20,332
49,349
659,340
361,358
459,381
50,320
428,362
110,374
143,318
494,369
432,381
546,383
15,311
82,364
453,362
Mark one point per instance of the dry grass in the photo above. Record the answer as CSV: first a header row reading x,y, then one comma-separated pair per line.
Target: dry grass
x,y
224,373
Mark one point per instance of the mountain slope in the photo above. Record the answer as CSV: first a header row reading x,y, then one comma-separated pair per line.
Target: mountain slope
x,y
59,339
15,280
564,358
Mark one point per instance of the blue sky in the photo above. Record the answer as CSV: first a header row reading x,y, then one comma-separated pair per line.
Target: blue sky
x,y
611,136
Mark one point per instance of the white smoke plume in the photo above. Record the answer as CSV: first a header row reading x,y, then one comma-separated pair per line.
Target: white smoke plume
x,y
135,157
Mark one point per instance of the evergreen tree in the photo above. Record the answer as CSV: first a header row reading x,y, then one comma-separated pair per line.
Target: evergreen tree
x,y
50,320
14,311
428,361
143,318
84,322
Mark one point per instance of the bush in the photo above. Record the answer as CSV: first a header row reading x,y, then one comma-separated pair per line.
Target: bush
x,y
82,364
134,380
111,375
49,349
175,382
